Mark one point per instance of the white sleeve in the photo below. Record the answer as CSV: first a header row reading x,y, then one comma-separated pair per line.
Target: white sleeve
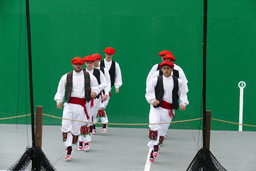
x,y
60,94
182,93
118,76
182,76
107,76
154,75
149,77
150,91
94,84
103,81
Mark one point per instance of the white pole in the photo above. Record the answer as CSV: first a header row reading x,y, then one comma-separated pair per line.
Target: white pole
x,y
241,85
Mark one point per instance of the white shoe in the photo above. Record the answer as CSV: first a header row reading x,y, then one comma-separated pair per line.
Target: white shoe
x,y
104,130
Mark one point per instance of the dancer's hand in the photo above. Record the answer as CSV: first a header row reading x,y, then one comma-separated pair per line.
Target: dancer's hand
x,y
182,107
104,97
155,102
93,94
59,105
117,90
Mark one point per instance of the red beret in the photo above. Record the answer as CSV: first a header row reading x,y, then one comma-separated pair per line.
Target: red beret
x,y
167,63
110,50
164,52
77,60
89,58
97,56
169,56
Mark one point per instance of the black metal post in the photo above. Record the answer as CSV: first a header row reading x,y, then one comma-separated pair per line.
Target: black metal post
x,y
204,68
30,72
34,165
204,75
204,159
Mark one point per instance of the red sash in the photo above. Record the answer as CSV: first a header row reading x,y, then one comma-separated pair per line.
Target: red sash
x,y
80,101
168,106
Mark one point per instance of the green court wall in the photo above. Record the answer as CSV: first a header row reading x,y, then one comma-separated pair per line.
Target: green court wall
x,y
138,30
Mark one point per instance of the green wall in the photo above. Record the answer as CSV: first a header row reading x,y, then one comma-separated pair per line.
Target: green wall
x,y
231,59
138,30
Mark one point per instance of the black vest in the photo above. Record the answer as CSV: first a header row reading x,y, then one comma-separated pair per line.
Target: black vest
x,y
102,69
175,72
96,73
112,71
69,85
159,91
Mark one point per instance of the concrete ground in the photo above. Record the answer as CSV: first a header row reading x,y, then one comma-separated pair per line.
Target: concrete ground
x,y
124,149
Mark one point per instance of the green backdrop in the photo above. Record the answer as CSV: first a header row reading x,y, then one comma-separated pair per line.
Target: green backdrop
x,y
138,30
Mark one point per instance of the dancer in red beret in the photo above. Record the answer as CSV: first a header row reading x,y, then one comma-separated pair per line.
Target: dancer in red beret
x,y
177,70
93,105
114,72
164,94
102,115
113,68
76,88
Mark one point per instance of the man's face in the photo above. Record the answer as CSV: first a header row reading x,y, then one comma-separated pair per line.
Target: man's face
x,y
89,65
96,63
167,70
77,67
108,56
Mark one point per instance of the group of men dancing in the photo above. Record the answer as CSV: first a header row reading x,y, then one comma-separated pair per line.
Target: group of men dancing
x,y
166,91
87,92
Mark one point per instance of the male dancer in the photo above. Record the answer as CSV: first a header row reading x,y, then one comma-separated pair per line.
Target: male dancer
x,y
163,93
76,87
102,115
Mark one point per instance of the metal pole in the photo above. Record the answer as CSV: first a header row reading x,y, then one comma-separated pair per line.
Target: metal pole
x,y
241,85
30,80
204,69
30,72
204,77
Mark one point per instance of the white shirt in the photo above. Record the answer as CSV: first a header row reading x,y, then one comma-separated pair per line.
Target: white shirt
x,y
168,87
77,87
154,73
118,75
103,81
107,76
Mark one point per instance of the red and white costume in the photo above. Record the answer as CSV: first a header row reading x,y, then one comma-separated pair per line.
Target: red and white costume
x,y
74,111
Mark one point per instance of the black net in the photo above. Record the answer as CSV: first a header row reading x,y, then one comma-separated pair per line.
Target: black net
x,y
33,159
205,161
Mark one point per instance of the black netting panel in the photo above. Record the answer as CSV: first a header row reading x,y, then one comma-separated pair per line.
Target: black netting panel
x,y
211,163
32,154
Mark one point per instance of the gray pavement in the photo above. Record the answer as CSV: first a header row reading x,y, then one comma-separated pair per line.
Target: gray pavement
x,y
124,149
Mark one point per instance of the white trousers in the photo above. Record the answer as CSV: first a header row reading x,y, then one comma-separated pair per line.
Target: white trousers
x,y
74,112
105,103
158,115
85,138
93,111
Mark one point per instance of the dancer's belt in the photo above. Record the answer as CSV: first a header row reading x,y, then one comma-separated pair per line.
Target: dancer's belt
x,y
80,101
168,106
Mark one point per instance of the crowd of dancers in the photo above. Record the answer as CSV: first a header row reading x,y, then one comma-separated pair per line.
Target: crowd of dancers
x,y
87,90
